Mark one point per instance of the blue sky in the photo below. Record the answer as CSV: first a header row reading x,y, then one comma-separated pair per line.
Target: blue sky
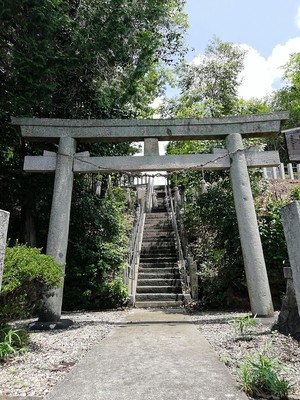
x,y
261,24
268,29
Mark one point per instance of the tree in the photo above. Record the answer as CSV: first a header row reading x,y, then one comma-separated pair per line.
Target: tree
x,y
210,89
85,58
288,98
209,85
76,59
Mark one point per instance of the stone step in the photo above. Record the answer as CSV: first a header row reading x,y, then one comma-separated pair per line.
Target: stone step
x,y
151,241
158,289
158,244
158,229
157,264
158,304
158,233
154,281
157,225
165,250
158,273
153,261
145,275
159,297
158,254
161,255
154,236
154,215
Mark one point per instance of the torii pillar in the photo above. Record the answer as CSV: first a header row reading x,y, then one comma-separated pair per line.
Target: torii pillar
x,y
254,262
58,233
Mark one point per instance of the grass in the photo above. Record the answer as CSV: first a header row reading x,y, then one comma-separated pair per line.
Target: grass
x,y
12,342
244,324
260,376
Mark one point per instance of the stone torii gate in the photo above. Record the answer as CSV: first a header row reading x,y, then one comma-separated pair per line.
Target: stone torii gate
x,y
236,158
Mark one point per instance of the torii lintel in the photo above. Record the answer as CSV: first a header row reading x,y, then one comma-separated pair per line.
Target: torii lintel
x,y
120,130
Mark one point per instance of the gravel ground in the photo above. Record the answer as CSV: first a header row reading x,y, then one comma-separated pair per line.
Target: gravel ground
x,y
53,353
232,347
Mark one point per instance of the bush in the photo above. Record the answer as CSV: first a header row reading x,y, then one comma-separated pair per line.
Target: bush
x,y
274,244
97,251
26,274
211,224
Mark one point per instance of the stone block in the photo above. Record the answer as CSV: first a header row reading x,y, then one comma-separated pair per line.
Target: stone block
x,y
291,225
4,218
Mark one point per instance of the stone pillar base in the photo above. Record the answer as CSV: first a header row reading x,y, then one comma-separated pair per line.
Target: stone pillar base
x,y
49,326
289,322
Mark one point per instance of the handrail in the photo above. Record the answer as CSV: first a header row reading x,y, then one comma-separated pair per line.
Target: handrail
x,y
185,282
134,251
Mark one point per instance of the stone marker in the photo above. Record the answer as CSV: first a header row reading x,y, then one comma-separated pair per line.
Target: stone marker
x,y
289,317
4,218
291,225
289,320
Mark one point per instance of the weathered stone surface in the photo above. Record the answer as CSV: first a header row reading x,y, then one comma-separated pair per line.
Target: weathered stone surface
x,y
84,164
114,130
151,147
289,320
57,242
171,162
292,137
291,225
255,268
289,317
4,218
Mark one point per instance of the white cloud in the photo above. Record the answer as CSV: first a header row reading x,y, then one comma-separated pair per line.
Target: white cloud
x,y
157,102
298,18
261,75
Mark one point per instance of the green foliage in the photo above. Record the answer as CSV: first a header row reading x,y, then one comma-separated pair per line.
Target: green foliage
x,y
209,87
244,324
79,59
271,232
288,97
12,342
260,376
97,250
82,59
212,230
26,273
295,192
24,264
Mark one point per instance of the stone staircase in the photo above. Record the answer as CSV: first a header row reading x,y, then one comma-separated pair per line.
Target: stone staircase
x,y
158,282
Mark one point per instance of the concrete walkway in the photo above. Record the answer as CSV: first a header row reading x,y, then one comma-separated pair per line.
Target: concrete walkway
x,y
154,355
